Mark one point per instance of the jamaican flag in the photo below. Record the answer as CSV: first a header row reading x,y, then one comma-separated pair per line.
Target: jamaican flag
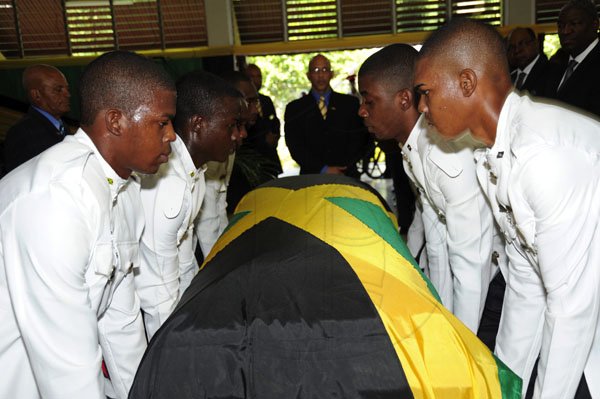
x,y
311,293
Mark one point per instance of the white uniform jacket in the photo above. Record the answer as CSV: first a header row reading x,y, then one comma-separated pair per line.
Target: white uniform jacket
x,y
172,199
543,178
457,219
69,234
213,217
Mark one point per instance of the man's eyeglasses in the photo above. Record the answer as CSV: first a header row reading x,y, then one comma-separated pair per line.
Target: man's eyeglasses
x,y
319,69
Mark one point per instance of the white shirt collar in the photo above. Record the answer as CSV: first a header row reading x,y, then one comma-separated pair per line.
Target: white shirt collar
x,y
529,66
191,171
502,142
584,53
413,137
114,180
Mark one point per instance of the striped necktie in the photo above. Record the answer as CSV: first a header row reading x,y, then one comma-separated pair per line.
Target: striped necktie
x,y
259,108
323,107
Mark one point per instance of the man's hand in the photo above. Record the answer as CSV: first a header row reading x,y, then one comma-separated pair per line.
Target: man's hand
x,y
271,139
335,170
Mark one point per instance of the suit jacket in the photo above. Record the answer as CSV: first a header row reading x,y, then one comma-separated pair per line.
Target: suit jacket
x,y
542,177
339,140
582,88
30,136
267,123
536,79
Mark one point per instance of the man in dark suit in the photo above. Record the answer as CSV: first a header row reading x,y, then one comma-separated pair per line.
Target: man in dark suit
x,y
578,82
531,65
48,94
265,133
322,129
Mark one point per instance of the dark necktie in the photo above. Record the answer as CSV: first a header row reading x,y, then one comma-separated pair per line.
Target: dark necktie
x,y
520,80
62,130
568,72
513,76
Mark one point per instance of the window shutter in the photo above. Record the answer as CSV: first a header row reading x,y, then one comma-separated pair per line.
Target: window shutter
x,y
90,26
9,36
489,11
137,25
259,20
546,11
419,15
184,23
311,19
361,17
41,28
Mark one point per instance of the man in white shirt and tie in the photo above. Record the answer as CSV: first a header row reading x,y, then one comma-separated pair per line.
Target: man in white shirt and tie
x,y
531,64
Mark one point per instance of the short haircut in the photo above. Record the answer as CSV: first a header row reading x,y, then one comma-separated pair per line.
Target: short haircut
x,y
393,65
529,31
587,6
469,41
122,80
200,93
235,77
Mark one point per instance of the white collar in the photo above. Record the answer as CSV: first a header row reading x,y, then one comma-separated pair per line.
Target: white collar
x,y
113,179
181,150
413,137
529,66
581,56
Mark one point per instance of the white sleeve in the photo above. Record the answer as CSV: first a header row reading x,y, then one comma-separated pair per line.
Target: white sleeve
x,y
519,333
46,248
469,224
121,333
561,186
212,220
158,280
437,254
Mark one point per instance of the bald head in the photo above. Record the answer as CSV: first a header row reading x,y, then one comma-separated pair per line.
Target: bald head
x,y
47,89
319,73
462,74
255,75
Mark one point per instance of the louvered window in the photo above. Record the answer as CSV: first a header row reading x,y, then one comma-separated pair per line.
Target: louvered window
x,y
90,26
259,20
489,11
38,27
318,19
546,11
361,17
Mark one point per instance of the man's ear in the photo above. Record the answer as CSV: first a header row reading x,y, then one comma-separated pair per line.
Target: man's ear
x,y
196,123
404,98
34,96
115,121
468,82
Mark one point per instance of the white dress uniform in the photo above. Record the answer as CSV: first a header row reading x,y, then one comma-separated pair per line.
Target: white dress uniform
x,y
69,236
172,199
213,217
457,219
543,178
